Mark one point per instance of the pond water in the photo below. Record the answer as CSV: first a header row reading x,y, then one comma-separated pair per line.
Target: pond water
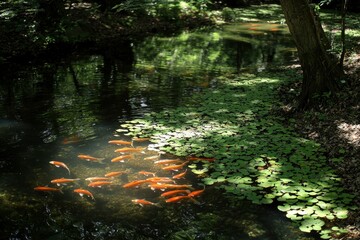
x,y
58,108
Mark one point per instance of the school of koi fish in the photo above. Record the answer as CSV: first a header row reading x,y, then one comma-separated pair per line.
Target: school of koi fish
x,y
171,191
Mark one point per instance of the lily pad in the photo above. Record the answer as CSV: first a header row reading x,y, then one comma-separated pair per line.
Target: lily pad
x,y
284,208
209,181
311,224
341,213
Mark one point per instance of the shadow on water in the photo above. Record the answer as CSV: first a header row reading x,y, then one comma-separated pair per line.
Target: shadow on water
x,y
57,109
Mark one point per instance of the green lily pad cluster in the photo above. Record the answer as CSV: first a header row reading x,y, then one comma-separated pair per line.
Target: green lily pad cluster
x,y
257,158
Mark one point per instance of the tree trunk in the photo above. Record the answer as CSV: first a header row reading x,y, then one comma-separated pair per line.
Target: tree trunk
x,y
320,68
343,15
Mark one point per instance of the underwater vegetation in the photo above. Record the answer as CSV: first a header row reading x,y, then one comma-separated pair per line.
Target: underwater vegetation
x,y
257,158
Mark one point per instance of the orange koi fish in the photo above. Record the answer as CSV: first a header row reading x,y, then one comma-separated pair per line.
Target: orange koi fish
x,y
163,186
174,192
175,167
160,180
114,174
180,175
120,142
90,158
196,193
121,158
135,183
83,192
71,139
99,184
176,199
47,189
60,164
137,139
192,158
97,179
147,173
152,157
167,161
143,202
179,198
64,181
129,149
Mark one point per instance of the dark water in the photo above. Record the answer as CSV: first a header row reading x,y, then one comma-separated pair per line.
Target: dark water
x,y
58,108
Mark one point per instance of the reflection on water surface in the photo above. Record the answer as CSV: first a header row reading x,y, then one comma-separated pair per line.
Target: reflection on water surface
x,y
59,108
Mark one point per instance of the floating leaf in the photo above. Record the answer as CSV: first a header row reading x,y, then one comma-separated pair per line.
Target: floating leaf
x,y
293,215
284,208
341,213
201,171
306,211
209,181
311,224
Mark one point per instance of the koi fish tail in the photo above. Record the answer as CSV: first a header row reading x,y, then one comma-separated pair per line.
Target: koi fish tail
x,y
101,160
195,201
157,205
76,182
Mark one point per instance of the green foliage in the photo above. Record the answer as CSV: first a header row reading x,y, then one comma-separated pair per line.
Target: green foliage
x,y
272,13
325,2
257,158
18,16
30,25
165,9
